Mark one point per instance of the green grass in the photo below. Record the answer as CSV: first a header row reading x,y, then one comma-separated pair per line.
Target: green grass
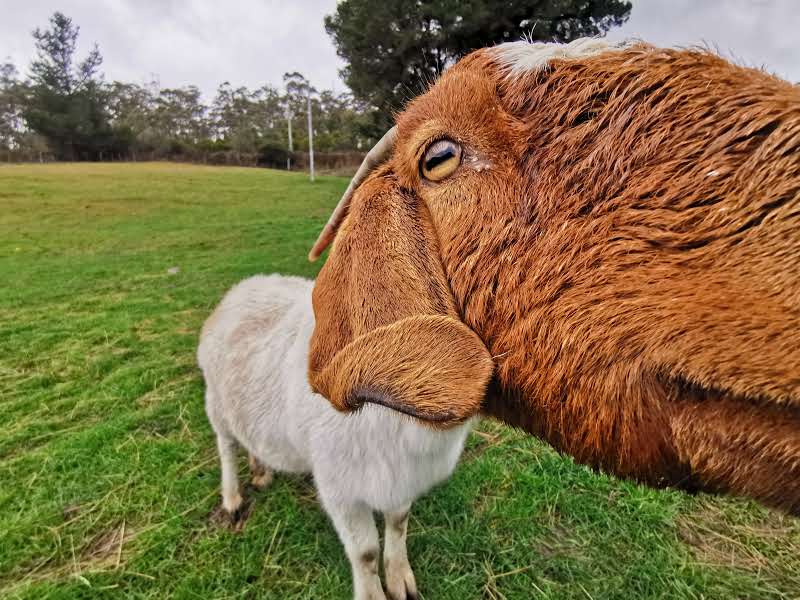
x,y
108,473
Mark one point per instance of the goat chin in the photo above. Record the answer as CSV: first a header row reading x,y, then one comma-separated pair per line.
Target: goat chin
x,y
621,234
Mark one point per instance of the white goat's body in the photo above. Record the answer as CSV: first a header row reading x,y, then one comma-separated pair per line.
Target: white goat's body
x,y
253,353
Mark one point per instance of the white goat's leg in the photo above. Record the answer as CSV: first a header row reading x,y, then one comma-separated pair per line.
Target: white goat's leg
x,y
356,528
231,498
400,582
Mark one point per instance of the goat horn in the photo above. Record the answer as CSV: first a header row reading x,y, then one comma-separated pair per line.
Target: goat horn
x,y
374,157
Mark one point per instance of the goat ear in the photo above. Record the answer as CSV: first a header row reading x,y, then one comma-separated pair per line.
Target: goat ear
x,y
386,329
431,367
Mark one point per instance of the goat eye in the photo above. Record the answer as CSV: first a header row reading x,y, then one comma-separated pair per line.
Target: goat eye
x,y
440,160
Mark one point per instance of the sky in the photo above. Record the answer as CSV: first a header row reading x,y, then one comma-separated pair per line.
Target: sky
x,y
755,33
252,42
183,42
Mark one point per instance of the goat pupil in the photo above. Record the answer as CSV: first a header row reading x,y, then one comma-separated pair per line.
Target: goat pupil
x,y
443,155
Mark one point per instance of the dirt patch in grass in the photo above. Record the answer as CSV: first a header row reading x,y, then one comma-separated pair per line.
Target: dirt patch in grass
x,y
766,543
222,519
107,550
560,541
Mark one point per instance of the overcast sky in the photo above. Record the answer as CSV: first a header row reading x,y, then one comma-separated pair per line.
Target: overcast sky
x,y
757,33
251,42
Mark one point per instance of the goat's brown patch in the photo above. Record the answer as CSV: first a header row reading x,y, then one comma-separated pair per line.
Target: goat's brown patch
x,y
369,559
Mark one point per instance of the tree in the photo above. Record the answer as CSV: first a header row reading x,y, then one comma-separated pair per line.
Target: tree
x,y
65,110
270,114
298,93
179,114
296,99
340,123
236,118
11,91
66,102
130,110
394,49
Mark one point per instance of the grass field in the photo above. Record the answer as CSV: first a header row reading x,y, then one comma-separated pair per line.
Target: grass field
x,y
108,472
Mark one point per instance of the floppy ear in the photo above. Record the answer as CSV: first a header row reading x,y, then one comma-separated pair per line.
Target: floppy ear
x,y
432,367
387,330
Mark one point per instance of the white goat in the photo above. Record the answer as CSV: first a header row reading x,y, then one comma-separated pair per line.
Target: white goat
x,y
253,353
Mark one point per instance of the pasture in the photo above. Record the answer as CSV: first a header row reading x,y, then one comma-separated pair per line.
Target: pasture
x,y
108,465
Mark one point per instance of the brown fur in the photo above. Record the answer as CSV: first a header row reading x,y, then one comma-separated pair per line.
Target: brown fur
x,y
630,258
409,350
432,366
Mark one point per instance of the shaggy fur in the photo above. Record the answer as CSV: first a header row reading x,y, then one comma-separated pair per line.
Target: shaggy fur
x,y
630,258
253,352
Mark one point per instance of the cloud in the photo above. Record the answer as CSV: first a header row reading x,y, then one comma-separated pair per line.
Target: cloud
x,y
757,33
182,42
252,42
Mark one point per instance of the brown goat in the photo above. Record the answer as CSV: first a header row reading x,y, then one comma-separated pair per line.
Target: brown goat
x,y
620,226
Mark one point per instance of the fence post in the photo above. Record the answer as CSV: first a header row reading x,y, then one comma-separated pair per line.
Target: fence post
x,y
291,147
310,138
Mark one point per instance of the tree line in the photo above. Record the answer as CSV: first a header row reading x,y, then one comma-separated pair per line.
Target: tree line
x,y
65,110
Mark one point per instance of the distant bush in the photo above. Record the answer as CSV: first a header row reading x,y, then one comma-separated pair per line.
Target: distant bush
x,y
272,156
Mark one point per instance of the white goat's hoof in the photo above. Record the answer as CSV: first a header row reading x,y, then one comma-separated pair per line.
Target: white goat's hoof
x,y
232,504
400,581
372,593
